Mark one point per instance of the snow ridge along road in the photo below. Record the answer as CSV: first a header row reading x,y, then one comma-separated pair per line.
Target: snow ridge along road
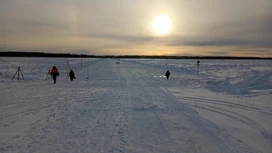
x,y
120,108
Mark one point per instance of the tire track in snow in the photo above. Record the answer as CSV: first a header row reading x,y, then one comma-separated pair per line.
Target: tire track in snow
x,y
25,112
243,119
243,84
120,98
147,129
24,107
225,103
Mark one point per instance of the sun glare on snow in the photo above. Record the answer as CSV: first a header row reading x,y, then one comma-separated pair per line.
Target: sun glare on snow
x,y
161,24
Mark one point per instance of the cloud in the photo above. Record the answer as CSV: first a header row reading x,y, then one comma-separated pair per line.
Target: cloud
x,y
125,38
254,32
100,25
220,42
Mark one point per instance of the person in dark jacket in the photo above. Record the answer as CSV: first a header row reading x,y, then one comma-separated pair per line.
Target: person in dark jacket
x,y
167,74
54,73
72,75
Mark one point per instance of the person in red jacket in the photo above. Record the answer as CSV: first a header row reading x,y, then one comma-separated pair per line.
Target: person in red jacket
x,y
54,73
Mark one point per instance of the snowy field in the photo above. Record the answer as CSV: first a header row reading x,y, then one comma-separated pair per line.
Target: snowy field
x,y
224,106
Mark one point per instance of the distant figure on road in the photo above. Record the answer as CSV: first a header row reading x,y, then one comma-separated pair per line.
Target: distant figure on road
x,y
54,73
72,75
167,74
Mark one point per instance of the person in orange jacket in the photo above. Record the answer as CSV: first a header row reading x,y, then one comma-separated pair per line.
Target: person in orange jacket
x,y
54,73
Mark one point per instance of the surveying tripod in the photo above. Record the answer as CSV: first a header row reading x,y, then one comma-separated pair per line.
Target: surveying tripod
x,y
18,72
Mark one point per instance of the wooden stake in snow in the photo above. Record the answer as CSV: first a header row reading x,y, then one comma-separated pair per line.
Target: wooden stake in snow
x,y
68,68
88,70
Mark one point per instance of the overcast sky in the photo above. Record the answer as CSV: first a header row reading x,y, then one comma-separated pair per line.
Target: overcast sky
x,y
124,27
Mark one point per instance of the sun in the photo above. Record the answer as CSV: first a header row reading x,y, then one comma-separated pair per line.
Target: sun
x,y
162,24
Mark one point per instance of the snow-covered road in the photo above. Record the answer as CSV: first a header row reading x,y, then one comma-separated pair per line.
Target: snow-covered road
x,y
123,108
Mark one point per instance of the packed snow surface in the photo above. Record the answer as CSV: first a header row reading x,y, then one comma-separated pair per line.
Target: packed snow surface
x,y
128,106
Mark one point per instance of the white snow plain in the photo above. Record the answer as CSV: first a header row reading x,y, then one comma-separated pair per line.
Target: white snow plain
x,y
222,106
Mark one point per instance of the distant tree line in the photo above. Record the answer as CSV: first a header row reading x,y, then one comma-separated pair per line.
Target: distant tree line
x,y
65,55
185,57
38,54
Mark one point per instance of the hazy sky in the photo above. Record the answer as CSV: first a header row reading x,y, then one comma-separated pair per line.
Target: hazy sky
x,y
118,27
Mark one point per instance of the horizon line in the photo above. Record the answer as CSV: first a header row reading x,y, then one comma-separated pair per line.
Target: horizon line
x,y
50,54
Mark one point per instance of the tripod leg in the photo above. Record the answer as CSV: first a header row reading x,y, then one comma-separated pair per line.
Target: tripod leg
x,y
48,76
14,75
22,74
